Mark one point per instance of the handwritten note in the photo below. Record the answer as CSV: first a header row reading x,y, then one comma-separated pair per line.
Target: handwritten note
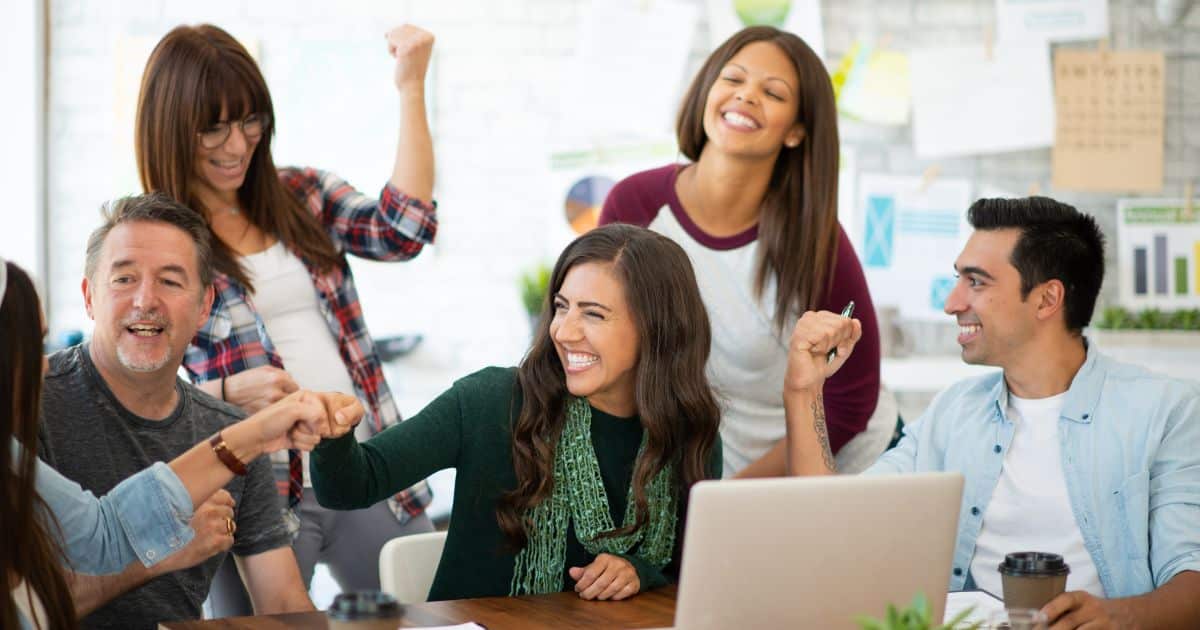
x,y
1110,118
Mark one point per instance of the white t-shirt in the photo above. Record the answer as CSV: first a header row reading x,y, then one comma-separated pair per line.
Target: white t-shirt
x,y
287,303
1030,509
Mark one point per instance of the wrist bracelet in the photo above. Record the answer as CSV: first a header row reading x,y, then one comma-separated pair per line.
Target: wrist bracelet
x,y
225,455
223,399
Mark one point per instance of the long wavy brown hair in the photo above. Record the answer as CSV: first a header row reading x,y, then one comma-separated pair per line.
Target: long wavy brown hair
x,y
27,550
195,73
675,403
798,226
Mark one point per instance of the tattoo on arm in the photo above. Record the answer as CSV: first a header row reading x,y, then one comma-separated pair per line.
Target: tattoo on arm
x,y
818,409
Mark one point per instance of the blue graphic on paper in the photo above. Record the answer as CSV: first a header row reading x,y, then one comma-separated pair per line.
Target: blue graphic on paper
x,y
879,231
939,289
933,223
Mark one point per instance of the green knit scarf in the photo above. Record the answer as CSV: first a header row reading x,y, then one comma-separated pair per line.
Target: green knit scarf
x,y
579,496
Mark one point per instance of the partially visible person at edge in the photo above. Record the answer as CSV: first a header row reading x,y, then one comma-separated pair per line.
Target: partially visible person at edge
x,y
573,468
287,314
59,535
1065,450
756,211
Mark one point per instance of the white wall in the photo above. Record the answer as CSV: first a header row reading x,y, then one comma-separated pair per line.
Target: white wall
x,y
21,40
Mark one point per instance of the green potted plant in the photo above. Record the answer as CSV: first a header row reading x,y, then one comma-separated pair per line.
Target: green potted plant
x,y
534,283
1150,328
917,616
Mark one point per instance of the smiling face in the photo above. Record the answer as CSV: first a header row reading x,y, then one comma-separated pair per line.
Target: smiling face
x,y
596,338
996,324
219,172
752,106
146,298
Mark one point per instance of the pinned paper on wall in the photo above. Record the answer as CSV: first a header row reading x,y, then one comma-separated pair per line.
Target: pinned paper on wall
x,y
873,85
967,102
640,47
1111,114
1158,256
802,17
847,185
1041,21
583,178
911,231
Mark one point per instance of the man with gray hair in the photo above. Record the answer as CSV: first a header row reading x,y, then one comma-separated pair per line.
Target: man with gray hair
x,y
115,405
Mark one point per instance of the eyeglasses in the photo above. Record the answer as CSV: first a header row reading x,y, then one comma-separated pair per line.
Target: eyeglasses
x,y
253,127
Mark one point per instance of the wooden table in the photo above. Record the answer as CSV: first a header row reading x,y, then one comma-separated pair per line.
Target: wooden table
x,y
655,609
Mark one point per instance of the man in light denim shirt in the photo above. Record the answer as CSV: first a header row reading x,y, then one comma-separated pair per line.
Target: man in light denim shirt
x,y
1065,450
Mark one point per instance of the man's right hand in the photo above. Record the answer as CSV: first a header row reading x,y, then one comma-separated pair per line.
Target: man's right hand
x,y
256,388
211,522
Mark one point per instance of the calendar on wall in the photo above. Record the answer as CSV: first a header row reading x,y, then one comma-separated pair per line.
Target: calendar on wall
x,y
1109,120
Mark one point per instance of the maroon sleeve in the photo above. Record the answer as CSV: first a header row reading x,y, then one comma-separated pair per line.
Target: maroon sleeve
x,y
638,198
851,394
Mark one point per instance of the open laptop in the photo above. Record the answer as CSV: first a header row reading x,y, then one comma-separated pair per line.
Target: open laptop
x,y
815,552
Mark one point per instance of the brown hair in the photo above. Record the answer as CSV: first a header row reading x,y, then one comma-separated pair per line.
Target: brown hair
x,y
675,403
27,550
193,74
153,207
798,226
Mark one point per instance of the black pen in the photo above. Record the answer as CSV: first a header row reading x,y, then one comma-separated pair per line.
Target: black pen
x,y
846,312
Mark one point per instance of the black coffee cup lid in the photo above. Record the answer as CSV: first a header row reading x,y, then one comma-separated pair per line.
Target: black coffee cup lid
x,y
1033,563
364,605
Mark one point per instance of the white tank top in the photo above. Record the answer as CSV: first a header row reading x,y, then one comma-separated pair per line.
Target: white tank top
x,y
287,302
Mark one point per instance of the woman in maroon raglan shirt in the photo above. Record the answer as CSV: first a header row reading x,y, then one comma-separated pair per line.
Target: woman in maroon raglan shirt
x,y
757,213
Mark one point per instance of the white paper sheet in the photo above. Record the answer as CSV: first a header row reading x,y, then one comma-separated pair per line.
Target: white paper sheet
x,y
1158,258
877,88
965,103
1040,21
627,74
909,239
802,17
980,603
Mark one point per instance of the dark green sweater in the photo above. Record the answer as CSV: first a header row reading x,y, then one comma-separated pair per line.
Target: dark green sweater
x,y
469,428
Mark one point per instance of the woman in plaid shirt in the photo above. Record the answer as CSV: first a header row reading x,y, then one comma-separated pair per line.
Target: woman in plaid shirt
x,y
286,313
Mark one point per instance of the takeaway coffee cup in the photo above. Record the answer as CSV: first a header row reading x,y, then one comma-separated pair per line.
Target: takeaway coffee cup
x,y
364,610
1031,578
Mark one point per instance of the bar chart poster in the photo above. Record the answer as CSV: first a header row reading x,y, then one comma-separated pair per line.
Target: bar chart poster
x,y
1159,253
908,232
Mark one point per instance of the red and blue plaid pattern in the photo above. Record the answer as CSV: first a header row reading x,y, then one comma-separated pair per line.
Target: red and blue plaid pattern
x,y
393,227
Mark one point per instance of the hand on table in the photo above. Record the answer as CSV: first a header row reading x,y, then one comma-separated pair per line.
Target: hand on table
x,y
607,577
1080,609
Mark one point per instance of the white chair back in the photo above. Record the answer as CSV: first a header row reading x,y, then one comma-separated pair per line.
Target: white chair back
x,y
407,565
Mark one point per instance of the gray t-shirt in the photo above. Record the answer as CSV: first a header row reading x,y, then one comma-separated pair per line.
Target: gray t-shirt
x,y
88,436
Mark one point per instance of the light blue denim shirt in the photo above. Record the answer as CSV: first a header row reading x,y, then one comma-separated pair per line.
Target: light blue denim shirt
x,y
1130,446
145,517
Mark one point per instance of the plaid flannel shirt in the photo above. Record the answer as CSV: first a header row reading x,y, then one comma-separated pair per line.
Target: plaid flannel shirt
x,y
393,227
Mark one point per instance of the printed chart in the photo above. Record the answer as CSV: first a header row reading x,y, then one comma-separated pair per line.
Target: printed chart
x,y
1159,254
584,201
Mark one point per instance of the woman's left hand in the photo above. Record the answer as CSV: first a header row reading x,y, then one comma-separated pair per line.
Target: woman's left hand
x,y
412,47
607,577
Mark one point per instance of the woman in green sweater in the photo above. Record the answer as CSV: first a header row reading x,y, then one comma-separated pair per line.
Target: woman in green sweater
x,y
573,468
